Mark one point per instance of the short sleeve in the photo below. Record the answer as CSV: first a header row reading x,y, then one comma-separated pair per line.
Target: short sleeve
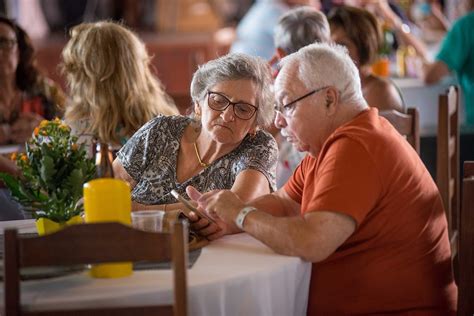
x,y
294,186
141,148
347,181
453,51
261,154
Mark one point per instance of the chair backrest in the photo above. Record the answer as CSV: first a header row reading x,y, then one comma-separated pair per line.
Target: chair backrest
x,y
447,160
407,124
96,243
466,244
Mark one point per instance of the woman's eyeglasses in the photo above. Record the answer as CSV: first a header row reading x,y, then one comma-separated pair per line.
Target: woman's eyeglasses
x,y
6,43
219,102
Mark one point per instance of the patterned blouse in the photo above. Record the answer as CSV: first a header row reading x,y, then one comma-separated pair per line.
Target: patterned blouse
x,y
151,155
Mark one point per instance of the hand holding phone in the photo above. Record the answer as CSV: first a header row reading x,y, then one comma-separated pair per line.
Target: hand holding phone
x,y
189,207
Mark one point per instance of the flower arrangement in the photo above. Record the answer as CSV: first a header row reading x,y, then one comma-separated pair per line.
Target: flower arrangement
x,y
53,171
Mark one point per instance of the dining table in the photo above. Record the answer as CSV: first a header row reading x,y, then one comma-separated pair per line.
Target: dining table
x,y
234,275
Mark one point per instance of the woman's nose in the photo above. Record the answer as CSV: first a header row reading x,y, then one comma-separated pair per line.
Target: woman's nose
x,y
228,114
280,121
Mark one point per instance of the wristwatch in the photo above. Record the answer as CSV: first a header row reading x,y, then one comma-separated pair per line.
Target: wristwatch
x,y
239,220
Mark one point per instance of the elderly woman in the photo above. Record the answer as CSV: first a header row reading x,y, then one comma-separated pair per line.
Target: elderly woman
x,y
223,147
358,30
112,90
26,96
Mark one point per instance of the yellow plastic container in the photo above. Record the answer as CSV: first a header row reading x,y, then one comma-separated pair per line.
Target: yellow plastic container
x,y
108,200
45,226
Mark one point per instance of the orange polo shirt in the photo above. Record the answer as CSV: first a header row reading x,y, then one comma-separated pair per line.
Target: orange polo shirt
x,y
398,259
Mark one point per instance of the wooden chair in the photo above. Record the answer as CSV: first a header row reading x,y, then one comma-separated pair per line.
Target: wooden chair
x,y
447,160
466,244
95,243
407,124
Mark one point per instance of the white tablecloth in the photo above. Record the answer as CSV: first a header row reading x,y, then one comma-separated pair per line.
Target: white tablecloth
x,y
236,275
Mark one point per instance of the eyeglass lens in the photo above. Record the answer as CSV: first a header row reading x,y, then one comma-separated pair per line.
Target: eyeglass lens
x,y
219,102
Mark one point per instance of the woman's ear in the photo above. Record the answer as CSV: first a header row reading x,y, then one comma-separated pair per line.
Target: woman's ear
x,y
197,109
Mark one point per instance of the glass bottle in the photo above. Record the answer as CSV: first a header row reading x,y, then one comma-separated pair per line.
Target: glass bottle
x,y
103,161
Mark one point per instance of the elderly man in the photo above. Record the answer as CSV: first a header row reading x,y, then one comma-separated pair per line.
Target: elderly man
x,y
361,206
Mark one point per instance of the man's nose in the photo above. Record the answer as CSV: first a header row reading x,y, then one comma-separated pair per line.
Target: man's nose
x,y
280,121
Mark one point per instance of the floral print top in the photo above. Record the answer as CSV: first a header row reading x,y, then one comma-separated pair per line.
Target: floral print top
x,y
151,155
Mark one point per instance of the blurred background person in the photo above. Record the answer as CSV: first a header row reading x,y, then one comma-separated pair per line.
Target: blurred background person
x,y
297,28
255,31
26,97
223,147
112,91
455,56
359,31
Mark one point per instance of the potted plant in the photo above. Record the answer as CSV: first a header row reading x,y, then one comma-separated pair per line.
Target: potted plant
x,y
53,170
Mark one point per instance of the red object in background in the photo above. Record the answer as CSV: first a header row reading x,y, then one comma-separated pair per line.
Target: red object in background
x,y
33,105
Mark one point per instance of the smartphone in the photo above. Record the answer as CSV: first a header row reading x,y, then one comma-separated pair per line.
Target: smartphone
x,y
190,207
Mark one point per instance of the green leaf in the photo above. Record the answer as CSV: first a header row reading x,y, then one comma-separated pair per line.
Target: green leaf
x,y
74,182
13,184
47,170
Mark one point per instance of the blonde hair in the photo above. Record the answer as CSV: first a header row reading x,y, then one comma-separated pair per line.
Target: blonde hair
x,y
110,83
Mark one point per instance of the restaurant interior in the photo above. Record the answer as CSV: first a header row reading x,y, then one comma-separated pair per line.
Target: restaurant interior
x,y
79,232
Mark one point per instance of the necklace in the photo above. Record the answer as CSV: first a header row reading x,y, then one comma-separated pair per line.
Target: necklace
x,y
202,163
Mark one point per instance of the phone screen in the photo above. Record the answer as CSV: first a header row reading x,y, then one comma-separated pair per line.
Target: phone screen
x,y
190,207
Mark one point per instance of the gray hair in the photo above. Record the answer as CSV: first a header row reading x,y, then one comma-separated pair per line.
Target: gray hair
x,y
324,64
237,66
300,27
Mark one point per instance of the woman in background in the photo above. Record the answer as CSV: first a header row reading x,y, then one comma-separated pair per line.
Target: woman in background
x,y
26,96
359,31
112,91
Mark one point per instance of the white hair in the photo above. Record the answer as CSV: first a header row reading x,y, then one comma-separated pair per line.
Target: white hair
x,y
300,27
324,64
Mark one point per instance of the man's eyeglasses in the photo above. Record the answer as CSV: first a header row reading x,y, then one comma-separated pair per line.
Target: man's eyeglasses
x,y
220,102
6,43
287,109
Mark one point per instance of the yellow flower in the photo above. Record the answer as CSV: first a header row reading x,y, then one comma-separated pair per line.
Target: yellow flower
x,y
36,131
13,156
57,120
24,157
43,123
64,127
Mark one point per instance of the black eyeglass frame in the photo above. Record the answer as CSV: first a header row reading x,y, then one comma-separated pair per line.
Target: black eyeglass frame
x,y
209,92
281,108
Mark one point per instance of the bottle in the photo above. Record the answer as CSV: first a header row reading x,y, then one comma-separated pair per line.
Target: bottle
x,y
103,161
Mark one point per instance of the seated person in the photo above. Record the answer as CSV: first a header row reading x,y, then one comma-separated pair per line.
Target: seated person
x,y
359,31
26,97
296,28
455,55
112,90
254,34
361,206
223,147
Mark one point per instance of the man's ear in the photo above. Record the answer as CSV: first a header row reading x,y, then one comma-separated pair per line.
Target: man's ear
x,y
332,100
